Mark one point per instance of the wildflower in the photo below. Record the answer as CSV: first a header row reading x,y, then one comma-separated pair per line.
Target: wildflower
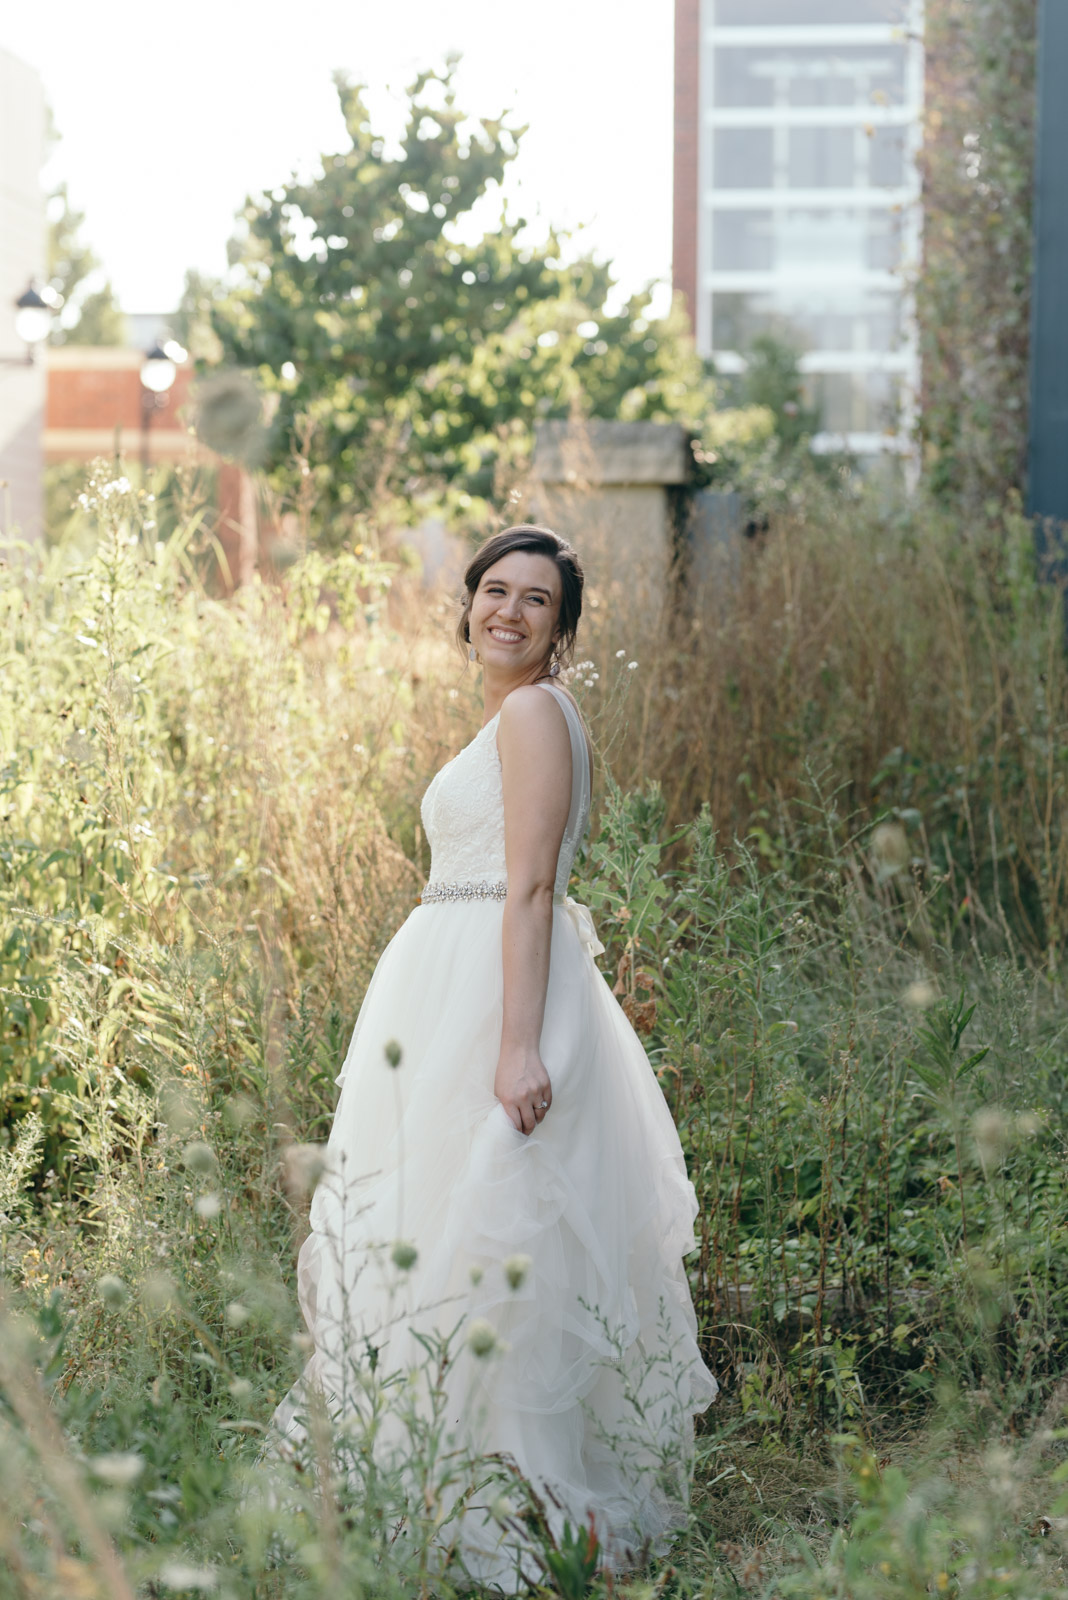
x,y
476,1276
208,1206
237,1314
631,665
502,1508
516,1269
119,1468
620,654
920,995
404,1255
393,1053
112,1290
199,1157
482,1337
240,1388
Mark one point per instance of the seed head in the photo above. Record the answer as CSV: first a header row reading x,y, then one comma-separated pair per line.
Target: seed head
x,y
482,1337
993,1134
516,1269
112,1290
393,1053
889,848
199,1157
303,1165
404,1255
119,1468
920,995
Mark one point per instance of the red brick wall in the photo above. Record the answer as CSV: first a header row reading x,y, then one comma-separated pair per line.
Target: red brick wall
x,y
107,398
687,132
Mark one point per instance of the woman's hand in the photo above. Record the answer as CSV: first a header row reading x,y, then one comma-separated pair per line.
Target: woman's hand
x,y
522,1086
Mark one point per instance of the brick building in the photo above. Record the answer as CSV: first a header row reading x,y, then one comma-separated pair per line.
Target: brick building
x,y
97,406
94,407
22,257
796,196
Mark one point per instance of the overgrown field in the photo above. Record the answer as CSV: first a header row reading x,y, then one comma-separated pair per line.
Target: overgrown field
x,y
829,867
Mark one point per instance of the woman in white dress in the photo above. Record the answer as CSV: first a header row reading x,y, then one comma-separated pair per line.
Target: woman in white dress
x,y
503,1171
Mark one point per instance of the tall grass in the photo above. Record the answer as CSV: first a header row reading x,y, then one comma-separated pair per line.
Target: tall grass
x,y
830,827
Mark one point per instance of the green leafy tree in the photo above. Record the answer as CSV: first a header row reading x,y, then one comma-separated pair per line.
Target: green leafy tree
x,y
773,379
90,315
405,357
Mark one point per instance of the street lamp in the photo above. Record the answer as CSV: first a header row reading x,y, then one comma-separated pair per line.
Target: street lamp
x,y
158,372
33,321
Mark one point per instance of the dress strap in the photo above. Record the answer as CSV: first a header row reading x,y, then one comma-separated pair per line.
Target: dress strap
x,y
581,781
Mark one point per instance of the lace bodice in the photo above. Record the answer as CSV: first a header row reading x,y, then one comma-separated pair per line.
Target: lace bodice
x,y
463,808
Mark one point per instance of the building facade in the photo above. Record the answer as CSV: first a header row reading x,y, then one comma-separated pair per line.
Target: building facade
x,y
22,257
797,206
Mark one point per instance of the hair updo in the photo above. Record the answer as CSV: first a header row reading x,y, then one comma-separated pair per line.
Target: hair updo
x,y
542,542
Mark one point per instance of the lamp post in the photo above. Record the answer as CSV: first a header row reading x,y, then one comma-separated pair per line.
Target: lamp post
x,y
158,372
33,322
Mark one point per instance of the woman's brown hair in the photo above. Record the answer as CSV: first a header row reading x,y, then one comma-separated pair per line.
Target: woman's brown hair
x,y
543,542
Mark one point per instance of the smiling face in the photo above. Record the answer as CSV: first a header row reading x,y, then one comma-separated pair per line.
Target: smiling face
x,y
514,614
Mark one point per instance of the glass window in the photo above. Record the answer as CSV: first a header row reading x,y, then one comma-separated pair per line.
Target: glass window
x,y
741,158
824,158
854,402
779,13
804,75
742,241
849,319
884,237
887,159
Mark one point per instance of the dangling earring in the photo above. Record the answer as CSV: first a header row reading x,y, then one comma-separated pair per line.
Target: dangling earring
x,y
472,653
554,666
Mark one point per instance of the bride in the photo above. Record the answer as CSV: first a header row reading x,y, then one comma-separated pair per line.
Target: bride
x,y
503,1171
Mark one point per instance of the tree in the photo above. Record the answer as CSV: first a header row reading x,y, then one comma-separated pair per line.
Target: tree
x,y
773,379
403,357
90,315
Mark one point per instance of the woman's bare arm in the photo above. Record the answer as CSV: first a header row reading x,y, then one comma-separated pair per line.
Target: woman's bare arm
x,y
535,750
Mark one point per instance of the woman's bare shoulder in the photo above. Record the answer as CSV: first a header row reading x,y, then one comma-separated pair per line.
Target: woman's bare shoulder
x,y
527,708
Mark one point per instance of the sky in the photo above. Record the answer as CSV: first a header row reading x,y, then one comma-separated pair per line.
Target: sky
x,y
170,115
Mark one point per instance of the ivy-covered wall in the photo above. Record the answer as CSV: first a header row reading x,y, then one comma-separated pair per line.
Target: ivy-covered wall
x,y
973,298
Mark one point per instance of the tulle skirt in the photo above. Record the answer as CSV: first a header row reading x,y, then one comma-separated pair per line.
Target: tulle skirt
x,y
550,1264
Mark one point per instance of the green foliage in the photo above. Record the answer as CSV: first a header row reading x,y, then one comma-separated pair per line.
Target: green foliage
x,y
974,291
773,379
208,832
402,357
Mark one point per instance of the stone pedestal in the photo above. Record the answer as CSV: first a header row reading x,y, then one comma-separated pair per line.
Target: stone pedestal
x,y
611,489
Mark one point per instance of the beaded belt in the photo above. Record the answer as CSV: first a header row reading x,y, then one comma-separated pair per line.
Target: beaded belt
x,y
462,891
436,893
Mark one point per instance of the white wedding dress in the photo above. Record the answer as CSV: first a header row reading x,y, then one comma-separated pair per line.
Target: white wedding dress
x,y
595,1373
